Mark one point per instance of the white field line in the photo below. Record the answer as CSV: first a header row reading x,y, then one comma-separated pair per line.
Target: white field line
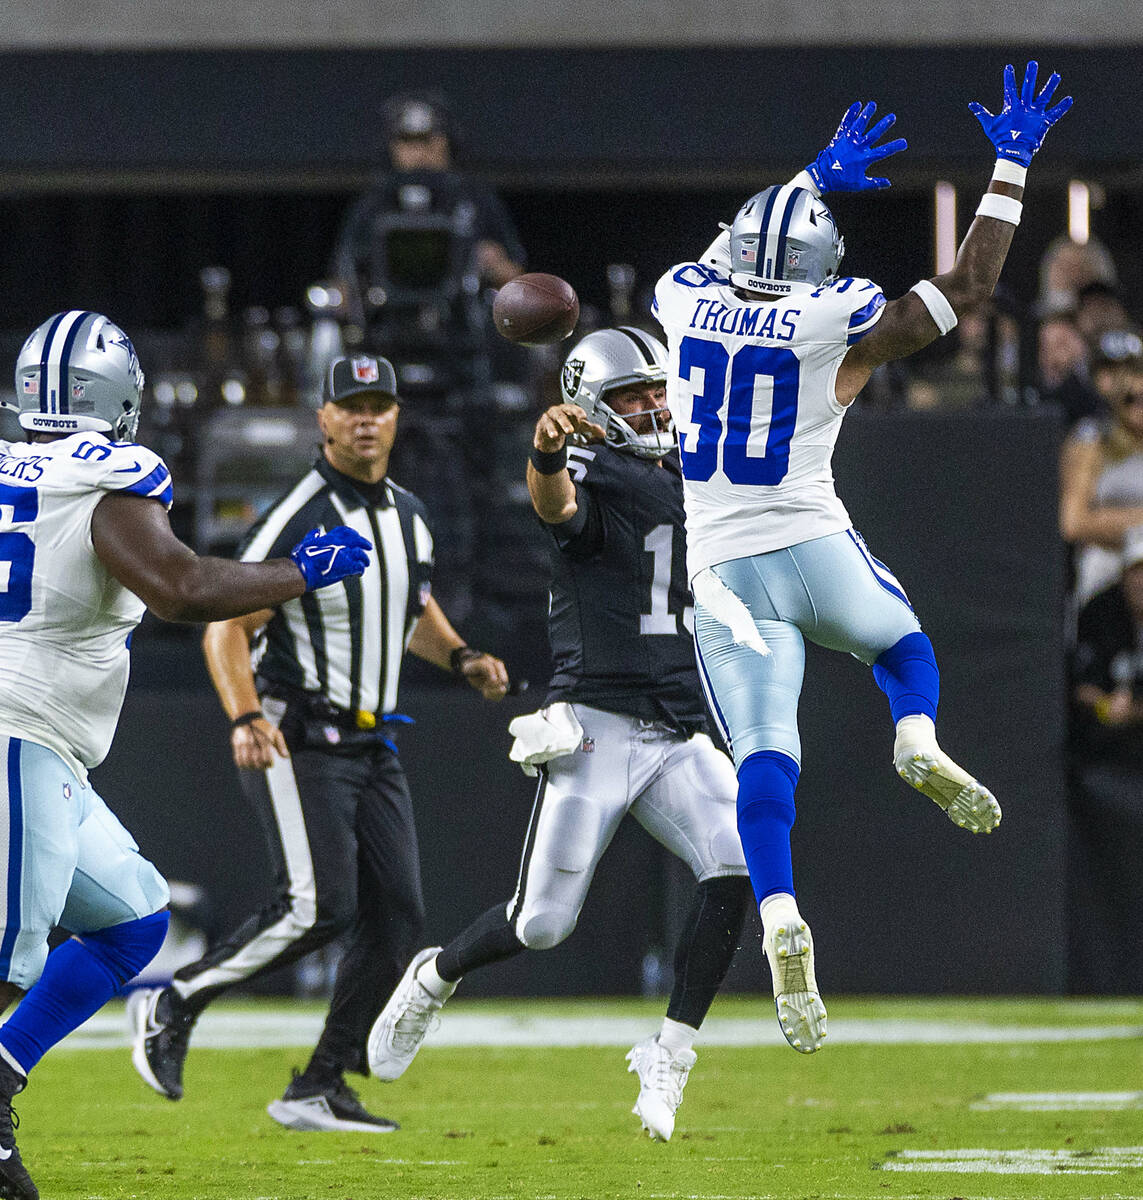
x,y
1059,1102
221,1029
1109,1160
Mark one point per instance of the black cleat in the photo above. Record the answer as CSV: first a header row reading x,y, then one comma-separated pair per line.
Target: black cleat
x,y
160,1028
332,1105
15,1182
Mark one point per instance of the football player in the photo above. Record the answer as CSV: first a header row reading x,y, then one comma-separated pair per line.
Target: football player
x,y
769,347
622,730
85,546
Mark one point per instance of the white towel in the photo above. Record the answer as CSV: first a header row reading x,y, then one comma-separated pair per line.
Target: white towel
x,y
541,736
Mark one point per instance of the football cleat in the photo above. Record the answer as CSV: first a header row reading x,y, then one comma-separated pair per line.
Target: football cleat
x,y
922,764
789,949
15,1182
330,1107
398,1032
662,1077
160,1029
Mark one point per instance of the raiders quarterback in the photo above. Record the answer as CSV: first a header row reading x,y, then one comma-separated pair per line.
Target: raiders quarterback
x,y
622,730
85,546
768,348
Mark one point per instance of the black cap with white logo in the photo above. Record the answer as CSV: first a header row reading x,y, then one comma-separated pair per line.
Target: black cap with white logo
x,y
360,373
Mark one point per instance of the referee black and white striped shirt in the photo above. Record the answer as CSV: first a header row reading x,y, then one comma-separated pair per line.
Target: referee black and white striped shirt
x,y
346,641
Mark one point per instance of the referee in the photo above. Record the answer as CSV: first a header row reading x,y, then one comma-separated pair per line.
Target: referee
x,y
311,691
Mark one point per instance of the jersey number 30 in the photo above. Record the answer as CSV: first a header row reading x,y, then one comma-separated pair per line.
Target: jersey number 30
x,y
698,445
18,506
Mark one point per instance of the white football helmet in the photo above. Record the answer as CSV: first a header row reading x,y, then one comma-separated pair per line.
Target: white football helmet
x,y
614,358
782,236
78,372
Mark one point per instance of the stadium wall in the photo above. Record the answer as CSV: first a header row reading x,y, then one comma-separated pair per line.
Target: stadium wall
x,y
963,509
262,23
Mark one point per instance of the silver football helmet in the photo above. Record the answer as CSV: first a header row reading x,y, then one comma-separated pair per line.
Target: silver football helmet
x,y
781,236
78,372
614,358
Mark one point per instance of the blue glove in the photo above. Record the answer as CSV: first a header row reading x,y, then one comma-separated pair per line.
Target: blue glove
x,y
1017,131
841,166
325,558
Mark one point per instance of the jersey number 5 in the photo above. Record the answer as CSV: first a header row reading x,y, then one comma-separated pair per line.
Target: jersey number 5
x,y
18,506
699,442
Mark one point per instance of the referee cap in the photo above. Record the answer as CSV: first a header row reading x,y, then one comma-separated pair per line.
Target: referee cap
x,y
357,374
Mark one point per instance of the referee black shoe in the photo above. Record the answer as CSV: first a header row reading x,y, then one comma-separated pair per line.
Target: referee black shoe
x,y
161,1026
15,1182
326,1105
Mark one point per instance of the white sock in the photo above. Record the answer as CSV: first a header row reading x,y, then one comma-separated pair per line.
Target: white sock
x,y
427,977
675,1036
770,900
9,1058
916,730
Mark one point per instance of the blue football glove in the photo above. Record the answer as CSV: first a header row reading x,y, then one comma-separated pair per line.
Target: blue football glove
x,y
841,166
325,558
1017,131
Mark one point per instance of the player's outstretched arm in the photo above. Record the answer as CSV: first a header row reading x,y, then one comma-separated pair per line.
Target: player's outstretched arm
x,y
934,306
549,484
132,537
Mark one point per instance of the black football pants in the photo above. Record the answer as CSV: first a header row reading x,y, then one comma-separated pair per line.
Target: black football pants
x,y
344,847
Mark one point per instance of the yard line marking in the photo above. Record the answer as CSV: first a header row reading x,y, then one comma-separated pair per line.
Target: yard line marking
x,y
1109,1160
221,1029
1059,1101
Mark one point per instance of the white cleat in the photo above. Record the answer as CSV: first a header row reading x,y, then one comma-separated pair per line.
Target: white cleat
x,y
789,949
922,764
398,1032
662,1077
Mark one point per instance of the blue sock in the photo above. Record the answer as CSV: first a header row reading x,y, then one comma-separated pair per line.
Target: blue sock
x,y
907,673
766,783
78,979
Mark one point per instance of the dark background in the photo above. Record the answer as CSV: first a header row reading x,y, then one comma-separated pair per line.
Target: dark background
x,y
898,897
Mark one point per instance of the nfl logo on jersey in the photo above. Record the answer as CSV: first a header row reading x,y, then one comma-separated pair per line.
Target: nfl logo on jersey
x,y
365,370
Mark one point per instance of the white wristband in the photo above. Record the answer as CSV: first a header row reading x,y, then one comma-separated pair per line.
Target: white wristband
x,y
804,179
1002,208
1007,171
937,303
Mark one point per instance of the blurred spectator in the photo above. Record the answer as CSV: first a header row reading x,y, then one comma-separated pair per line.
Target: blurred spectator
x,y
1066,268
1101,480
1106,796
423,227
1099,310
1063,377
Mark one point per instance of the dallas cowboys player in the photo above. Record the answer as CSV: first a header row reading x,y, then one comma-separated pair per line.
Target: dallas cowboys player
x,y
768,349
85,545
622,729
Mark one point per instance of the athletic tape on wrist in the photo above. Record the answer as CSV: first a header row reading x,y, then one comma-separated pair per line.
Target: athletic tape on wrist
x,y
804,179
937,303
1007,171
1000,208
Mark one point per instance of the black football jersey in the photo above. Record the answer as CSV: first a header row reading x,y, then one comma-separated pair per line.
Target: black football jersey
x,y
622,618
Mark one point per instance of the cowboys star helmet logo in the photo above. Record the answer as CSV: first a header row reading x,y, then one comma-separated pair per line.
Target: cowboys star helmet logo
x,y
572,374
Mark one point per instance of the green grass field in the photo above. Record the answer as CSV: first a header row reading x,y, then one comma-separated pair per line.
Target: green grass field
x,y
853,1121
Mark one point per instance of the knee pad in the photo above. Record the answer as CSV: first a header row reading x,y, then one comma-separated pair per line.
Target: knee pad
x,y
127,948
546,928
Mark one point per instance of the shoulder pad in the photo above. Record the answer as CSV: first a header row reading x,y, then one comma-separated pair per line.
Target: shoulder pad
x,y
846,309
124,467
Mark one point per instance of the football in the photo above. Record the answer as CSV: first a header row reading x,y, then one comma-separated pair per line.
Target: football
x,y
535,309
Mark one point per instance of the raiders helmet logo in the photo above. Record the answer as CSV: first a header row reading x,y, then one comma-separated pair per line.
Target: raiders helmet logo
x,y
572,374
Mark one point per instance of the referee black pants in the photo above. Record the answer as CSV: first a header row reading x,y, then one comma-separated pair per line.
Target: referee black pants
x,y
344,846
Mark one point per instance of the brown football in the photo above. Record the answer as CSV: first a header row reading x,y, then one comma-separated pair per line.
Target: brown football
x,y
535,309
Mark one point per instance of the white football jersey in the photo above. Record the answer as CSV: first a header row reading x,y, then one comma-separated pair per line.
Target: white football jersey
x,y
751,389
65,622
